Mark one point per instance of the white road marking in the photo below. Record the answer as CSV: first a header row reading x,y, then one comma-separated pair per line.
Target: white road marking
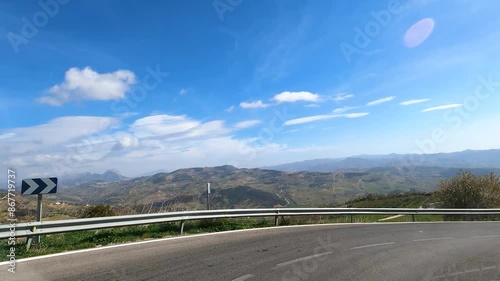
x,y
489,267
486,236
433,239
244,277
464,272
472,270
372,245
302,259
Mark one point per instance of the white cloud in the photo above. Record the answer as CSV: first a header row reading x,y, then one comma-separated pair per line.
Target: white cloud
x,y
342,97
7,136
379,101
175,128
254,104
343,109
247,124
61,130
409,102
308,119
127,142
313,118
229,109
354,115
87,84
183,92
312,105
442,107
162,125
58,144
295,96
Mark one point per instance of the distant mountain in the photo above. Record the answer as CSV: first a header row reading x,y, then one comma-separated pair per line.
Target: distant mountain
x,y
467,159
244,188
85,178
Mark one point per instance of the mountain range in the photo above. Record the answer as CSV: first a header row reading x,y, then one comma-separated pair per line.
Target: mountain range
x,y
465,159
320,182
84,178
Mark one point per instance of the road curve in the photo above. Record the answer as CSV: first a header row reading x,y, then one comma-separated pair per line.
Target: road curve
x,y
400,251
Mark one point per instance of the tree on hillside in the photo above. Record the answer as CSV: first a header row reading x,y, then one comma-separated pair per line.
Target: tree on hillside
x,y
491,184
98,211
469,191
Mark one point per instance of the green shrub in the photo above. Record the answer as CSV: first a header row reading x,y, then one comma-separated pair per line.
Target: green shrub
x,y
98,211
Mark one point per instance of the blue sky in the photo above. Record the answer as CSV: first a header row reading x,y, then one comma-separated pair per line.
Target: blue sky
x,y
150,85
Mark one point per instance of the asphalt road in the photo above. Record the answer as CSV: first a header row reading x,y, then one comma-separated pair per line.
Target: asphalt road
x,y
409,251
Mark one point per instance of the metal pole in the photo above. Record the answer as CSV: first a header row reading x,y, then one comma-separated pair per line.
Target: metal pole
x,y
413,218
39,214
208,196
350,216
182,227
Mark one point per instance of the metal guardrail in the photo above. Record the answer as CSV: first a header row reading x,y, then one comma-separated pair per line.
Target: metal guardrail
x,y
62,226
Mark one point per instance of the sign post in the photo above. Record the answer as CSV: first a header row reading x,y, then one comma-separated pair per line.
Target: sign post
x,y
38,186
39,214
208,196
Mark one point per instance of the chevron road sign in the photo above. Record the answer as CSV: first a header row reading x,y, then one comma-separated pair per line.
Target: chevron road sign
x,y
39,186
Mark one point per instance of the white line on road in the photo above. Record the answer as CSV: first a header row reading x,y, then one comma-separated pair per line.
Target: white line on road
x,y
302,259
244,277
488,268
433,239
486,236
372,245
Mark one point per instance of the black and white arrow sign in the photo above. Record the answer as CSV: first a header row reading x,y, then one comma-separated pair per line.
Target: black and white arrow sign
x,y
39,186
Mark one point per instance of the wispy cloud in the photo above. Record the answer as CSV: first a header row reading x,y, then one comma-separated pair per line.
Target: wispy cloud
x,y
254,104
247,124
229,109
342,97
409,102
354,115
442,107
295,96
382,100
343,109
313,118
183,92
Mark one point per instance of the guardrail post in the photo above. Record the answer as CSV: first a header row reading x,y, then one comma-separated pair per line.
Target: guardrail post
x,y
276,220
28,242
182,227
413,218
29,239
350,217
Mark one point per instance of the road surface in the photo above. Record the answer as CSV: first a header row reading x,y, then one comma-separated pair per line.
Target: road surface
x,y
388,251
